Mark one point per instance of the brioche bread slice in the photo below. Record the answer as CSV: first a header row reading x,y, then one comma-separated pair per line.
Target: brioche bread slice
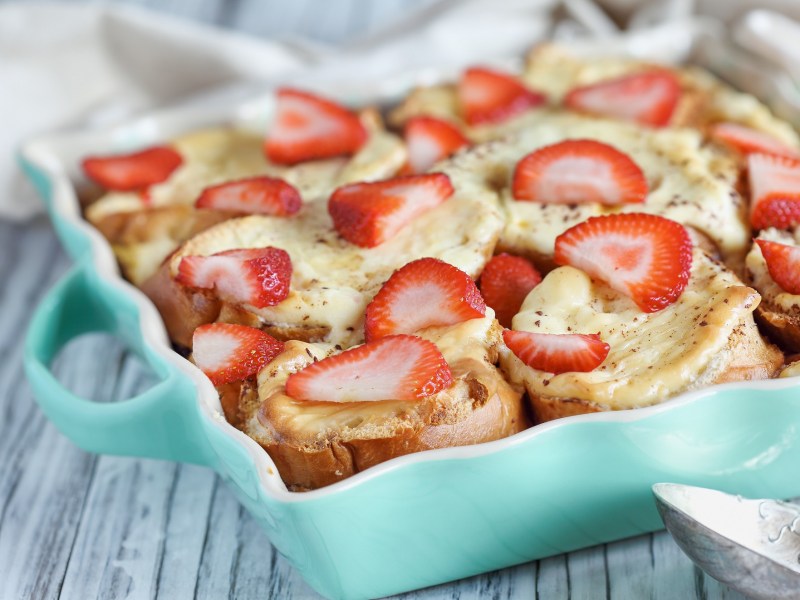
x,y
707,336
779,311
315,444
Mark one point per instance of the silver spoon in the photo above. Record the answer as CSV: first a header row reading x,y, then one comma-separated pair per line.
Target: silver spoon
x,y
752,546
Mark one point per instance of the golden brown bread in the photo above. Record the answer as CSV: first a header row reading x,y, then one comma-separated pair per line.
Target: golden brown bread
x,y
141,240
315,444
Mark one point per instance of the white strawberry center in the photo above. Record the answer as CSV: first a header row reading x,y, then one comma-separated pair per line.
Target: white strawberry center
x,y
413,200
621,259
224,273
214,349
423,152
373,377
574,179
299,121
633,102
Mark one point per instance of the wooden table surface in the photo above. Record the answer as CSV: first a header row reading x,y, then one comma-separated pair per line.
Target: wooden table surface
x,y
79,526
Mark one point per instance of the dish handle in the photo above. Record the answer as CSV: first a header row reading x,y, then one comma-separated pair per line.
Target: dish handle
x,y
162,422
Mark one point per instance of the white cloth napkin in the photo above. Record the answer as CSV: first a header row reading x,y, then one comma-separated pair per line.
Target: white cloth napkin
x,y
71,66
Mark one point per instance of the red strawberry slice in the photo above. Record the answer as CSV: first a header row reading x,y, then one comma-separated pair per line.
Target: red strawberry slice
x,y
132,172
577,171
228,353
424,293
783,264
255,195
368,214
774,191
648,98
556,353
750,141
397,367
259,277
488,96
645,257
430,140
505,282
308,127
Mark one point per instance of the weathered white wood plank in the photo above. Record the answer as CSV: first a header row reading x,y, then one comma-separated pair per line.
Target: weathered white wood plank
x,y
189,505
587,569
630,568
121,540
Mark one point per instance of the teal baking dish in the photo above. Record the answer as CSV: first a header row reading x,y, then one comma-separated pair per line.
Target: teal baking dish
x,y
413,521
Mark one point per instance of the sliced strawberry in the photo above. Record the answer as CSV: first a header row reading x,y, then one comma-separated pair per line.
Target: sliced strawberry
x,y
556,353
750,141
308,127
132,172
397,367
576,171
259,277
505,282
488,96
645,257
255,195
424,293
228,353
774,191
783,264
368,214
649,98
430,140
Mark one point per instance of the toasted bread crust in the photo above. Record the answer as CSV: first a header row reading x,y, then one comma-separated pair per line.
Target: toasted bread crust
x,y
484,408
783,329
142,239
752,357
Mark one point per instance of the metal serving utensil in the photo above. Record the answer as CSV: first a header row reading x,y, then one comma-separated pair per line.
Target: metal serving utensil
x,y
752,546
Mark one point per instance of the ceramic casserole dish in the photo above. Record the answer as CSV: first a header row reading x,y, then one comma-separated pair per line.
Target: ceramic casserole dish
x,y
416,520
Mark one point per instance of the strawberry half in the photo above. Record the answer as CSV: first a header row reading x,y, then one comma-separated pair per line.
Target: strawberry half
x,y
430,140
505,282
308,127
424,293
259,277
132,172
576,171
646,257
228,353
774,191
488,96
255,195
397,367
783,264
556,353
368,214
750,141
648,98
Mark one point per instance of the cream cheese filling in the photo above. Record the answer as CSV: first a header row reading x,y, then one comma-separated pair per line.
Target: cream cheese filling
x,y
333,280
689,182
653,355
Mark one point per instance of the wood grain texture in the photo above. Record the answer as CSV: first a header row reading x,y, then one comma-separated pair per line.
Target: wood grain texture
x,y
78,526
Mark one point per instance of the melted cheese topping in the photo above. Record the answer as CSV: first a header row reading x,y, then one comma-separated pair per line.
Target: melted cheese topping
x,y
333,280
689,182
213,156
653,355
774,295
468,347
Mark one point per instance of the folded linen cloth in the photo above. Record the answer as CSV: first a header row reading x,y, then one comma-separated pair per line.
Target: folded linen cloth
x,y
74,66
